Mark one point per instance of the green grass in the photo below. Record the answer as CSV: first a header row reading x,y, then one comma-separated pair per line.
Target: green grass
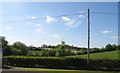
x,y
111,55
43,70
38,53
35,52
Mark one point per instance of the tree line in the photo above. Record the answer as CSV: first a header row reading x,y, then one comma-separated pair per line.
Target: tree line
x,y
63,49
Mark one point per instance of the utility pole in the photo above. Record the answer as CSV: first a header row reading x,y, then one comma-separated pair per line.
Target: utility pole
x,y
88,55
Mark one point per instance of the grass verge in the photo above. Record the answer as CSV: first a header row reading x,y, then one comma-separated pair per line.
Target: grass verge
x,y
44,70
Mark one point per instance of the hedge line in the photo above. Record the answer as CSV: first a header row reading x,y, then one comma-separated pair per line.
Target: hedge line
x,y
63,63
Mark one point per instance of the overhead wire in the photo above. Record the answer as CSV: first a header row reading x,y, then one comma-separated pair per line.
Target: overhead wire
x,y
60,16
103,13
45,17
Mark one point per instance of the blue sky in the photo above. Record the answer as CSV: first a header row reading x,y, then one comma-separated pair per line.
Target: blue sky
x,y
51,30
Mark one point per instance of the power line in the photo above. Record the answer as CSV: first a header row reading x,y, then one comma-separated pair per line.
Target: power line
x,y
60,16
45,17
103,13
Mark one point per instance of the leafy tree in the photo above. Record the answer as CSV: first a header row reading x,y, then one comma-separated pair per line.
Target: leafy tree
x,y
94,50
4,46
83,50
102,49
48,52
114,46
61,50
30,47
44,46
20,47
118,47
63,43
15,51
108,47
51,46
3,42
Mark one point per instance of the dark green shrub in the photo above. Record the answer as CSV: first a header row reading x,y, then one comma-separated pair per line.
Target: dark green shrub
x,y
61,62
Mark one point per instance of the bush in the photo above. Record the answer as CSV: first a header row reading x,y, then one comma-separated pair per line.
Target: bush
x,y
48,52
61,62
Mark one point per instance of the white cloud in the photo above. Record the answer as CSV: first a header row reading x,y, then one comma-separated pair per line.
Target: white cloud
x,y
9,28
55,35
66,18
50,19
82,11
73,23
107,31
37,25
29,23
39,30
115,37
33,17
81,16
27,16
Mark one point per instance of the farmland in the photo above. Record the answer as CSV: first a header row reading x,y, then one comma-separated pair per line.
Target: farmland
x,y
111,55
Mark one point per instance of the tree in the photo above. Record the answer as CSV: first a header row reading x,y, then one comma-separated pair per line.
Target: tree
x,y
3,42
30,47
108,47
20,47
114,46
44,46
118,48
15,51
83,51
48,52
61,49
94,50
51,46
4,46
63,43
102,49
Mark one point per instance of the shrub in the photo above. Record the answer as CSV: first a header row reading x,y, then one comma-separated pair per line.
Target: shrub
x,y
61,62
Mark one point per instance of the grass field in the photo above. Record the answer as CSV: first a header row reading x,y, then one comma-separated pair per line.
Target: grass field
x,y
35,52
43,70
102,55
110,55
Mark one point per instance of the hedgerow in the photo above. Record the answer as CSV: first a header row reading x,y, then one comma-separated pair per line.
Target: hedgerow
x,y
61,63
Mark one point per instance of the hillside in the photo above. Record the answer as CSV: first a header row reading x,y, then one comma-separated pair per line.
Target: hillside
x,y
101,55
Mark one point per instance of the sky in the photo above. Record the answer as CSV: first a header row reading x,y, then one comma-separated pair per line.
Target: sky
x,y
35,23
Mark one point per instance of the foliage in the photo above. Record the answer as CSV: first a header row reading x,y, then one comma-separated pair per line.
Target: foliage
x,y
63,49
60,62
48,52
4,45
33,48
83,51
95,50
20,47
3,42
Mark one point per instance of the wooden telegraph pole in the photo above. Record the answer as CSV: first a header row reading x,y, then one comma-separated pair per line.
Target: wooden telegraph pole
x,y
88,55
